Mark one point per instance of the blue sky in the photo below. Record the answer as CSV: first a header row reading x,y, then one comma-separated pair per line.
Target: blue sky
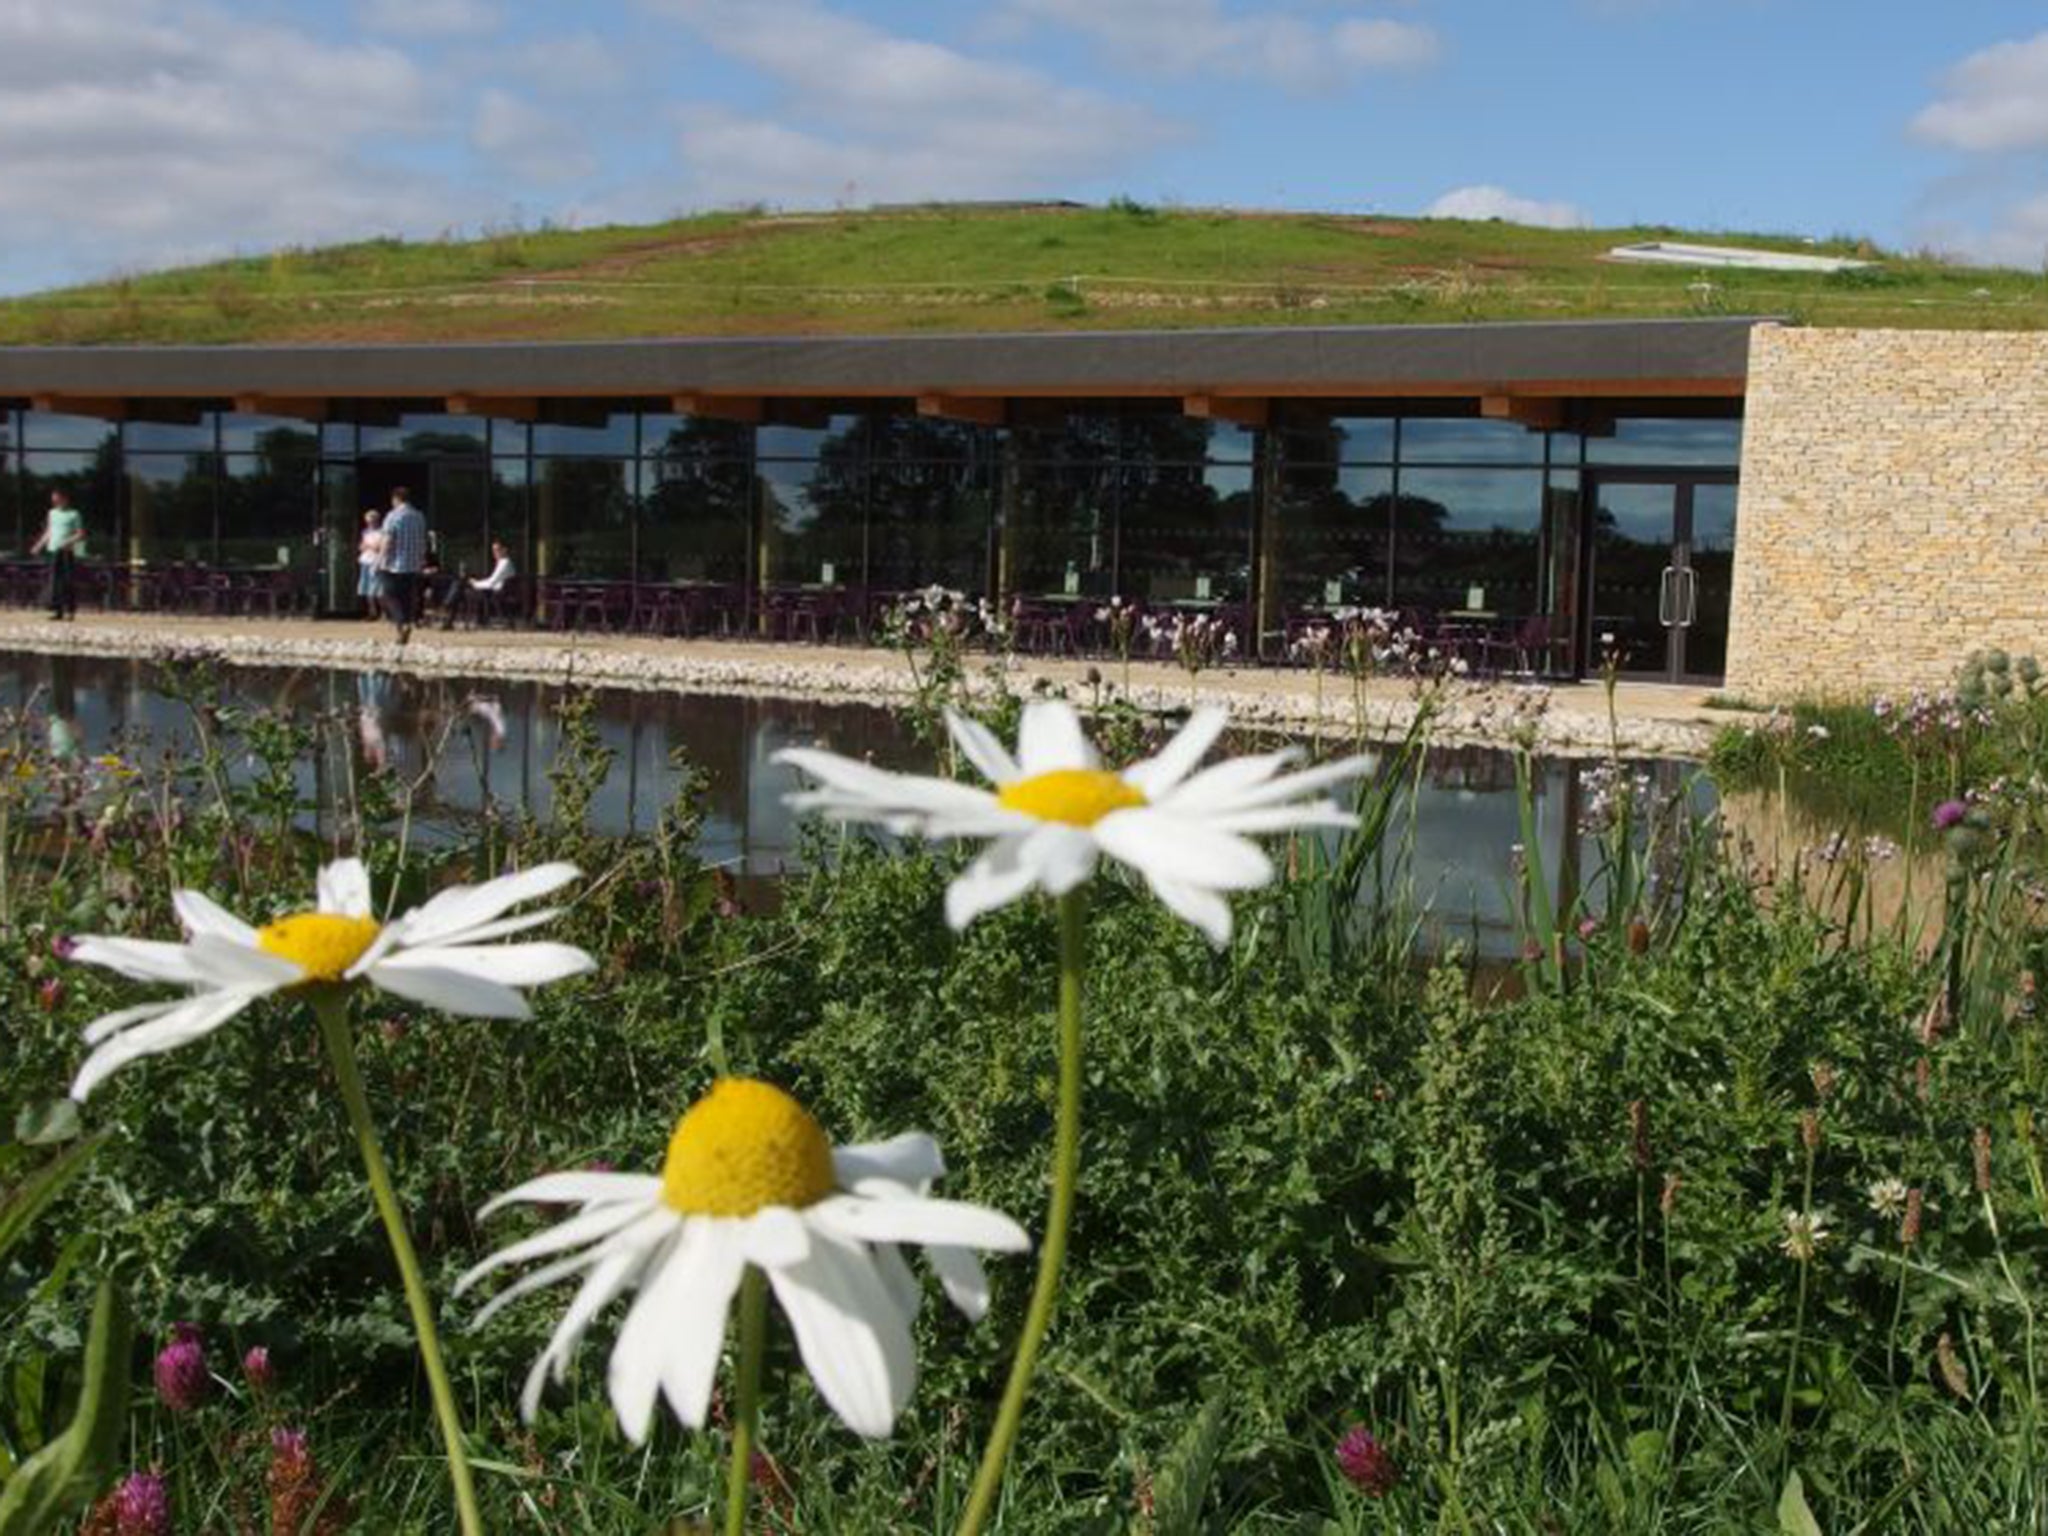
x,y
136,133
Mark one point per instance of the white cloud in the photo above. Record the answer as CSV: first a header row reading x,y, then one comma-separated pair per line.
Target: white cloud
x,y
575,64
527,140
870,115
430,18
1186,37
134,131
1996,99
1491,202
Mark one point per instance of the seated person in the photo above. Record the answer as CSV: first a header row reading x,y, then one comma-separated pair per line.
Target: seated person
x,y
470,593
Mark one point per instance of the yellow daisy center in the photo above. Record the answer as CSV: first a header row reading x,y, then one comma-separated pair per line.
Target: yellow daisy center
x,y
743,1146
322,944
1079,797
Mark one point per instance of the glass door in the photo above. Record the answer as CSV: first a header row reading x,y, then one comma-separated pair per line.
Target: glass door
x,y
1663,561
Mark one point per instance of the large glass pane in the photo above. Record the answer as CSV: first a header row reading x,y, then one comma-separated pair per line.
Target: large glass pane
x,y
12,537
1468,440
1083,438
694,521
1149,436
1712,559
268,510
170,507
340,528
48,429
1185,533
461,498
1674,440
268,434
338,438
1633,529
780,440
191,432
596,431
9,429
929,439
424,434
583,518
1059,530
1309,437
509,511
812,520
1465,544
929,523
694,438
1332,527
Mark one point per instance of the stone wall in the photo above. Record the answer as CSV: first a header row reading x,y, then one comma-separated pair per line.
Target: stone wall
x,y
1894,511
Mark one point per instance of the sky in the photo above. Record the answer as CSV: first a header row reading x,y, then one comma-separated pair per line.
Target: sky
x,y
136,134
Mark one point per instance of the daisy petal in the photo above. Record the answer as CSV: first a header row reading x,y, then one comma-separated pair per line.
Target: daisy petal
x,y
588,1186
578,1231
220,962
1156,776
181,1026
921,1220
1205,909
775,1237
964,1280
608,1277
1050,738
902,1284
1184,850
202,914
468,906
1064,856
854,1341
996,878
1281,818
494,930
672,1335
912,1158
137,959
509,965
110,1024
978,744
467,997
344,888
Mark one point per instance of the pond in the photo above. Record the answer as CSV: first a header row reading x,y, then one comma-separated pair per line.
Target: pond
x,y
487,744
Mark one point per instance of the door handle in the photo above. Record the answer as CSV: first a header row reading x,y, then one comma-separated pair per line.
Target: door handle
x,y
1667,597
1689,608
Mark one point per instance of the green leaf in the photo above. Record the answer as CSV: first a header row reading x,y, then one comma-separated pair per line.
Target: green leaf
x,y
53,1484
29,1199
1794,1517
45,1122
1182,1487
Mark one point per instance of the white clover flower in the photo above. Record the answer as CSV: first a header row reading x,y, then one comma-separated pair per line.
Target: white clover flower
x,y
751,1178
1888,1197
434,955
1805,1231
1055,809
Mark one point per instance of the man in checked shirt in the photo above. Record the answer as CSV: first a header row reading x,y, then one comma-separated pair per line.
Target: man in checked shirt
x,y
404,558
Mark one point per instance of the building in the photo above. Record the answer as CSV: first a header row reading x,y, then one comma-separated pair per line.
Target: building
x,y
1549,483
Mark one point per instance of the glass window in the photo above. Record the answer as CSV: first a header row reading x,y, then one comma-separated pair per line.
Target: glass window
x,y
1465,542
167,433
9,430
928,523
813,521
576,429
338,438
929,439
12,536
1059,530
775,440
508,436
47,429
458,516
424,434
694,522
91,480
268,509
1670,440
1311,437
1083,438
268,434
1468,440
170,507
583,518
694,438
1184,533
509,510
1332,527
1154,437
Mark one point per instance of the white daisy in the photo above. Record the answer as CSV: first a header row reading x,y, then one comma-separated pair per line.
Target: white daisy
x,y
1055,808
434,955
750,1178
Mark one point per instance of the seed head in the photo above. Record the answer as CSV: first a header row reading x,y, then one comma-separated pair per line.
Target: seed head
x,y
1639,1134
1980,1157
1667,1202
1909,1224
1809,1130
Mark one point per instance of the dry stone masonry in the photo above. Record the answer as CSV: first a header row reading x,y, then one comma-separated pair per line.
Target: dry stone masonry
x,y
1894,511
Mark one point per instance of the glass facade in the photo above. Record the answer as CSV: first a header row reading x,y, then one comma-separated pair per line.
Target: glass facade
x,y
1421,506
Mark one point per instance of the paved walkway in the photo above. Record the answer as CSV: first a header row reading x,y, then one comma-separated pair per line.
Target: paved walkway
x,y
1651,718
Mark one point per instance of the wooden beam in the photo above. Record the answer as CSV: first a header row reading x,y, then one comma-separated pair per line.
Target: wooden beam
x,y
1244,411
106,407
1538,414
745,408
505,407
304,407
987,410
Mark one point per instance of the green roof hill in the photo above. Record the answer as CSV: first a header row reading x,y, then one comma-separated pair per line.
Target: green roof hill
x,y
995,267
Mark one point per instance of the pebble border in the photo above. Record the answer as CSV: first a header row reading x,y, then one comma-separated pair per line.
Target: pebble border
x,y
1479,715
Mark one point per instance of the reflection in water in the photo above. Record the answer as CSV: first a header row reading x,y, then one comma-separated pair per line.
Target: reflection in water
x,y
477,743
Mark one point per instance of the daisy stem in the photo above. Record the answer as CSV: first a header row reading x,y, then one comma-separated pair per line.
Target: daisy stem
x,y
753,1345
1052,1252
331,1005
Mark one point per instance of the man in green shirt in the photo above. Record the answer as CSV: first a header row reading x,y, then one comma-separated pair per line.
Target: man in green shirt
x,y
64,537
